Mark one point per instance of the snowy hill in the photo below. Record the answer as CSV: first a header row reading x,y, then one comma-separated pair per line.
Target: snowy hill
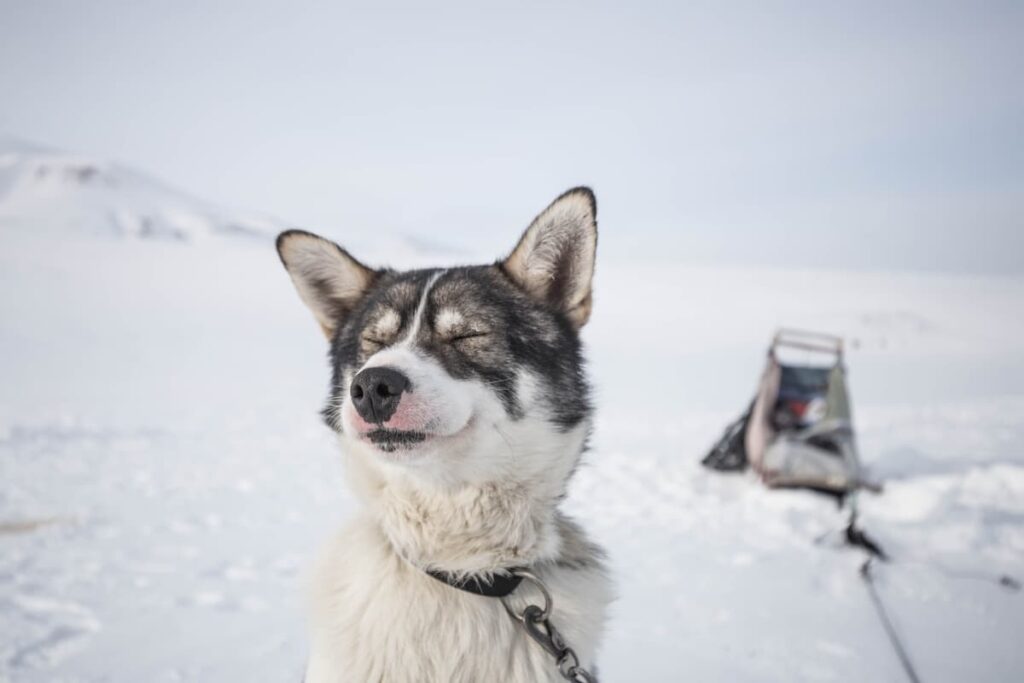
x,y
52,191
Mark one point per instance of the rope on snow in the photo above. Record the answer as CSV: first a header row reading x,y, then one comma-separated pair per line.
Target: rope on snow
x,y
890,629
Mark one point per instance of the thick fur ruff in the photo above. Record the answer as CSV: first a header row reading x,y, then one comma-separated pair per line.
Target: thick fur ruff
x,y
379,618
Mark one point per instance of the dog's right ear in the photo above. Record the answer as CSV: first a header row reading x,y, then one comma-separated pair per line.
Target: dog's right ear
x,y
329,280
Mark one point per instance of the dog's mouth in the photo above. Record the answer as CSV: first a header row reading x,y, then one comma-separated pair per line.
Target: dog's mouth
x,y
391,440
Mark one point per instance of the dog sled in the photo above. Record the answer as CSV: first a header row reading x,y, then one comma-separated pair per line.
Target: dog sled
x,y
798,430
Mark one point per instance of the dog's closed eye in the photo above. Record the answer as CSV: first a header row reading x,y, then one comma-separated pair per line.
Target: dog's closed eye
x,y
382,331
466,336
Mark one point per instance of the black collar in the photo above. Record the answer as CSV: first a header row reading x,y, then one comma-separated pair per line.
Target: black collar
x,y
499,585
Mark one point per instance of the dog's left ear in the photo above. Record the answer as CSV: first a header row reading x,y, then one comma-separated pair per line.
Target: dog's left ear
x,y
329,280
554,260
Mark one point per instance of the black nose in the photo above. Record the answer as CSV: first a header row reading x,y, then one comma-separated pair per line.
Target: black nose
x,y
376,393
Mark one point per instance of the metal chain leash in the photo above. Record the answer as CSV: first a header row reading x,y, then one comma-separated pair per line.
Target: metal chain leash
x,y
536,621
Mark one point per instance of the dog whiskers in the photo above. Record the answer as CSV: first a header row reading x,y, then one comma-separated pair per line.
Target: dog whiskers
x,y
504,438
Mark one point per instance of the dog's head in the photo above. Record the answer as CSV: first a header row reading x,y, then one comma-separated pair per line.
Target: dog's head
x,y
466,374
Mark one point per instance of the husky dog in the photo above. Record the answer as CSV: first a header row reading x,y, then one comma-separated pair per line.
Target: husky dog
x,y
461,405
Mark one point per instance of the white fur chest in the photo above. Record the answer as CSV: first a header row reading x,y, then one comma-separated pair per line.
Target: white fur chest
x,y
377,618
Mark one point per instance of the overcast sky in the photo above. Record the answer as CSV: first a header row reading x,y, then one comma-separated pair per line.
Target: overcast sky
x,y
851,135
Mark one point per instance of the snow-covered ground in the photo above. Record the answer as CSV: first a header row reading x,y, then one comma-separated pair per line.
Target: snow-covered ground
x,y
165,478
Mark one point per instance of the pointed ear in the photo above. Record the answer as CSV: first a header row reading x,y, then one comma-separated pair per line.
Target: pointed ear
x,y
329,280
554,260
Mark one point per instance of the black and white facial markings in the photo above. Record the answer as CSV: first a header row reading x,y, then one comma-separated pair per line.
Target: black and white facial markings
x,y
461,366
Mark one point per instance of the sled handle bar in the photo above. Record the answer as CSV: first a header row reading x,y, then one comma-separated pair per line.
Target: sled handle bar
x,y
808,341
